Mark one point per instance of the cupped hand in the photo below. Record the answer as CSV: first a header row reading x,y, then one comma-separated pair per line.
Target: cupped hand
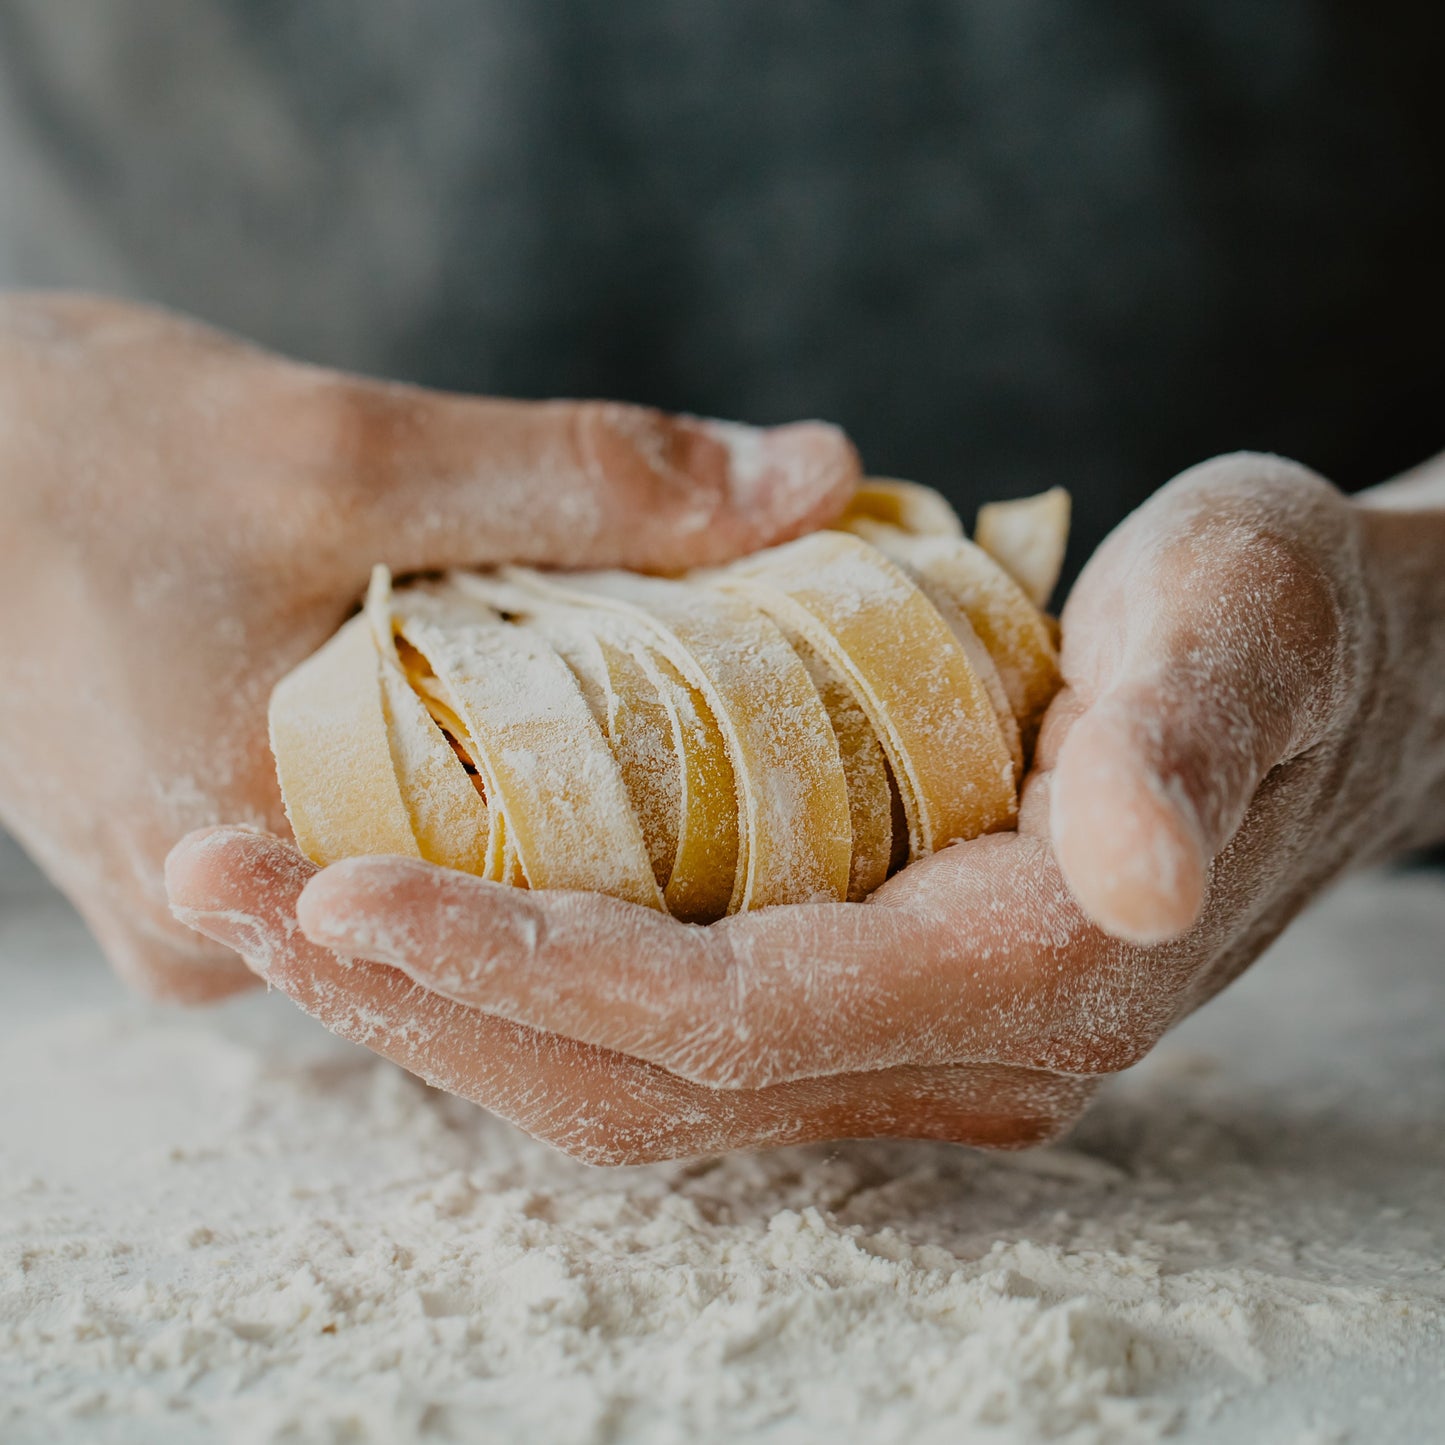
x,y
183,518
1241,721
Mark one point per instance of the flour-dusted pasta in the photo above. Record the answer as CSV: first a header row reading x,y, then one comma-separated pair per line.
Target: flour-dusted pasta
x,y
789,728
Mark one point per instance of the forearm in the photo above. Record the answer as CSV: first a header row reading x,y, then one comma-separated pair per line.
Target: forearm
x,y
1403,526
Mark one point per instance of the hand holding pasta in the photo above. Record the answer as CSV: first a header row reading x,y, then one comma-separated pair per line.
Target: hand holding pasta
x,y
1251,702
790,728
184,518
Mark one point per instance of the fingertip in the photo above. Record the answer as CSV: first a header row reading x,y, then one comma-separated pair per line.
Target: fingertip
x,y
204,870
1128,843
762,485
810,471
1154,905
331,899
360,903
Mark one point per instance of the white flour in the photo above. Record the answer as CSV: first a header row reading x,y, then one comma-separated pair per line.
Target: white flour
x,y
227,1226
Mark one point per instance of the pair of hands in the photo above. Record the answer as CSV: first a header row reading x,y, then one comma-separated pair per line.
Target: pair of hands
x,y
186,518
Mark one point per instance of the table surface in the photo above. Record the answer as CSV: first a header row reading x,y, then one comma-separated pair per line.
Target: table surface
x,y
224,1224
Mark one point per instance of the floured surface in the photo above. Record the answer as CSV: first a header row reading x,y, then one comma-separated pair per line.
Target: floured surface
x,y
226,1226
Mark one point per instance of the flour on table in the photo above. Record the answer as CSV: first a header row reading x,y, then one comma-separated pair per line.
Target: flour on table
x,y
227,1226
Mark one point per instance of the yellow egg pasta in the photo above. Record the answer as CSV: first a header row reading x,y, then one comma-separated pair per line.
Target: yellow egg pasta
x,y
790,728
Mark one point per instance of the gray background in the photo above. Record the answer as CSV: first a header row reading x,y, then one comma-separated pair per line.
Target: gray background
x,y
1006,243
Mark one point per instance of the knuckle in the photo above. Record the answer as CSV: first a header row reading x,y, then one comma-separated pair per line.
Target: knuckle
x,y
652,461
330,445
1268,560
1243,482
619,441
334,432
337,428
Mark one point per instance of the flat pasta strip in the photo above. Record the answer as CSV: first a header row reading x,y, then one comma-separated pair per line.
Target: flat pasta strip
x,y
497,866
640,729
865,770
796,841
1016,634
929,708
333,753
705,872
547,767
625,703
448,815
1027,537
793,727
702,879
908,505
980,660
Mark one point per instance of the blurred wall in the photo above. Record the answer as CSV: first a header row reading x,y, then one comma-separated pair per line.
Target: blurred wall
x,y
1007,243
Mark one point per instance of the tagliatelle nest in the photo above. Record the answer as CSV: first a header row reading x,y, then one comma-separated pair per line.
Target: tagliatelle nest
x,y
792,727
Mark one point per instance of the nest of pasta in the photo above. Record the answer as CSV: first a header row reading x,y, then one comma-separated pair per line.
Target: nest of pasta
x,y
793,727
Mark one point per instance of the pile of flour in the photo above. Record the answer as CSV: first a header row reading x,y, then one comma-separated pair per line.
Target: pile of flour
x,y
226,1225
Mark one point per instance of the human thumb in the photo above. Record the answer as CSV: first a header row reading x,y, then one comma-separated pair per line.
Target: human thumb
x,y
1206,645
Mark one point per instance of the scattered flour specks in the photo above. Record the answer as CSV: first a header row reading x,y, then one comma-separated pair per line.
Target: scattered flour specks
x,y
227,1226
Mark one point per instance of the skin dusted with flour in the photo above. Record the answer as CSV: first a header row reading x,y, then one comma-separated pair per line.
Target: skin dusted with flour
x,y
213,521
1252,704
